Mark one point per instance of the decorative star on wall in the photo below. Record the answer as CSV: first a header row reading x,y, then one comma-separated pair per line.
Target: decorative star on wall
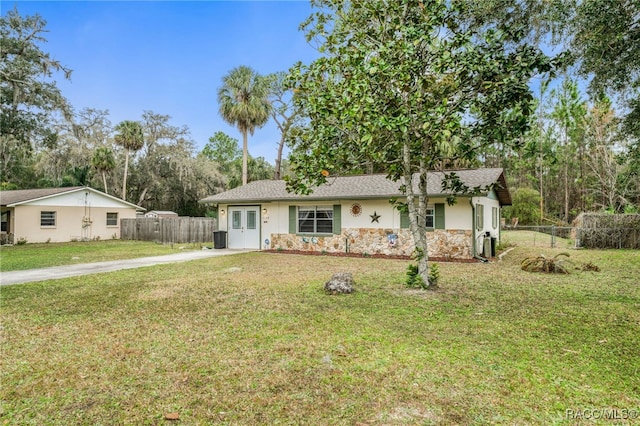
x,y
374,217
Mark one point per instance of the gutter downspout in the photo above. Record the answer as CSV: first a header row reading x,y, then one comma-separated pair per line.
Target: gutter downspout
x,y
473,234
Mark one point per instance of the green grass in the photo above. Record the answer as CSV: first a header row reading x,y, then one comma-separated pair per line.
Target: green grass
x,y
32,256
534,239
253,339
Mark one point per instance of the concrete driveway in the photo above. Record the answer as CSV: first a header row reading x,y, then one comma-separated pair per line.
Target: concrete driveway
x,y
57,272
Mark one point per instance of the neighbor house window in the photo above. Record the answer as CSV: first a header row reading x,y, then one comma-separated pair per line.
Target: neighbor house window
x,y
494,217
479,217
47,218
112,219
315,220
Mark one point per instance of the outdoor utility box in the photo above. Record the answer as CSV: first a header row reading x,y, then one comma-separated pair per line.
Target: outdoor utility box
x,y
494,243
220,239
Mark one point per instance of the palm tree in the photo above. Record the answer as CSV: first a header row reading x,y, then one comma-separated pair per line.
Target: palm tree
x,y
104,162
244,103
131,138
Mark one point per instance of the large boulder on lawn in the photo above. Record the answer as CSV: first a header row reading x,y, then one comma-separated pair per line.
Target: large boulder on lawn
x,y
340,283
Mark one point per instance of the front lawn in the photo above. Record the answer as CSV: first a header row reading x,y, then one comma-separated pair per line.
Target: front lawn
x,y
32,256
252,339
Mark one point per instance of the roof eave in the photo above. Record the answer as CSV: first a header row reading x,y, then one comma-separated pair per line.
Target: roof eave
x,y
311,198
76,189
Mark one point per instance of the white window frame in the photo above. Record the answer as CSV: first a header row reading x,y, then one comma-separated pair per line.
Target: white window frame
x,y
431,214
48,219
315,219
495,216
479,217
111,219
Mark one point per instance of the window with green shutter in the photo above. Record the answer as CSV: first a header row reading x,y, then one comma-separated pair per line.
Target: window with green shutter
x,y
337,219
404,220
433,220
439,216
292,220
315,219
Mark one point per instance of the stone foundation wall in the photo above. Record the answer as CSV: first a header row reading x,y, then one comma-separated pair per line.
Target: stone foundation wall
x,y
454,244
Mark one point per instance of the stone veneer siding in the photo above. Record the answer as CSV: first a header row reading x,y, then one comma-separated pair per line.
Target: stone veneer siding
x,y
454,244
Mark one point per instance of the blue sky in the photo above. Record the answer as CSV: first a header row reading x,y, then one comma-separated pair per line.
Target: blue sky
x,y
170,56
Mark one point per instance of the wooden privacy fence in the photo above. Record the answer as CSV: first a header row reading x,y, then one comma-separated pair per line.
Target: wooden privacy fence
x,y
169,230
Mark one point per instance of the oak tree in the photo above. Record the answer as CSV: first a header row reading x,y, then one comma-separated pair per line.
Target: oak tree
x,y
412,86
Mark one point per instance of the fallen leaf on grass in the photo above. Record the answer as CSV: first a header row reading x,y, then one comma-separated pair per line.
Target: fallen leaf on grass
x,y
172,416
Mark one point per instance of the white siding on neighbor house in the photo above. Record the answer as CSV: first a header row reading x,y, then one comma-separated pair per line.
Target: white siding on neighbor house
x,y
78,215
69,223
78,198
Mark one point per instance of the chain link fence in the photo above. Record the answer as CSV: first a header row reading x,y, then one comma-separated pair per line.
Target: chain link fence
x,y
575,237
541,236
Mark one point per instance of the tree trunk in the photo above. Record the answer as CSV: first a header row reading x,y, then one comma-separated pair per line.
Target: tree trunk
x,y
245,155
124,179
143,196
417,213
277,175
541,195
104,181
566,191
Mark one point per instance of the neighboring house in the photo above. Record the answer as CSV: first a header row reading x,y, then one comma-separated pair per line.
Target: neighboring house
x,y
161,214
353,214
62,214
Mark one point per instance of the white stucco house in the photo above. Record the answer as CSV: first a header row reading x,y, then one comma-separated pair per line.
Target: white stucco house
x,y
353,214
62,214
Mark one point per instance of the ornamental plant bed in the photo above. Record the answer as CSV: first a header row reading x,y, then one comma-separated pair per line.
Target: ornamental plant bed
x,y
369,255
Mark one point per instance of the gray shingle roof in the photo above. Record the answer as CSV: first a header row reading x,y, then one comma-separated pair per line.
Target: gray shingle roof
x,y
10,198
358,187
22,195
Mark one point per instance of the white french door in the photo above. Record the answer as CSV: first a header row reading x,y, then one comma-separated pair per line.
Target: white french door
x,y
244,227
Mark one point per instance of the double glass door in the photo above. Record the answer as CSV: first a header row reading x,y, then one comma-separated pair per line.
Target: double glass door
x,y
244,227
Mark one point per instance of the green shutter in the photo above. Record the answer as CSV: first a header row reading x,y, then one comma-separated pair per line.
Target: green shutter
x,y
404,220
292,219
439,216
337,219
